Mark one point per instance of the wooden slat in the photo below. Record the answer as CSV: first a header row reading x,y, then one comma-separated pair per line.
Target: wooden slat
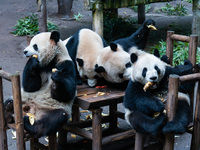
x,y
193,48
3,135
118,136
18,111
139,141
79,131
5,75
190,77
181,38
171,108
169,46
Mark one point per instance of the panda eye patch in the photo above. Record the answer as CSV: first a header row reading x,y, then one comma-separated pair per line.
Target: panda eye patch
x,y
157,69
96,77
35,47
144,72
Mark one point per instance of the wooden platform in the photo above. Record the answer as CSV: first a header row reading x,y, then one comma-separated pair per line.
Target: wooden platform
x,y
94,99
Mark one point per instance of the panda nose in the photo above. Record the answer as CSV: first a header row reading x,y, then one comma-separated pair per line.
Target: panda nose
x,y
153,78
25,52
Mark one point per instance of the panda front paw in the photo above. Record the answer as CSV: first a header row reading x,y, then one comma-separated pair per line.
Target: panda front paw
x,y
174,128
9,111
33,64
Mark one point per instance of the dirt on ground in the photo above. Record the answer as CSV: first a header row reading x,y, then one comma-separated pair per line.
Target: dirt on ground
x,y
11,51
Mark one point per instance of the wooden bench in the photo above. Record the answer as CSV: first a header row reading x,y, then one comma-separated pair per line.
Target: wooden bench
x,y
97,7
94,99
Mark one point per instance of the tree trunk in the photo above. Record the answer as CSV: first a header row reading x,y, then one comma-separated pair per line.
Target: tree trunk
x,y
64,8
196,19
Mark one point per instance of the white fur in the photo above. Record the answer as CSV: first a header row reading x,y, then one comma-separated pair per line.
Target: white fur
x,y
184,96
114,64
127,114
88,48
149,61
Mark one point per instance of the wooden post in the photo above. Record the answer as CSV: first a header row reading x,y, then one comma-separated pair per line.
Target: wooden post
x,y
42,19
171,108
3,135
19,124
169,46
32,142
113,120
196,19
193,48
96,129
141,13
97,15
139,141
195,142
52,142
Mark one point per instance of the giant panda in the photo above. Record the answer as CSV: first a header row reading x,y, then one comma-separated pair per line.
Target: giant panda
x,y
83,48
48,96
140,105
114,64
139,38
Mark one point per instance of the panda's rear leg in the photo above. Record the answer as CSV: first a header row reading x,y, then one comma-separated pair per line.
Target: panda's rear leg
x,y
147,125
9,111
49,123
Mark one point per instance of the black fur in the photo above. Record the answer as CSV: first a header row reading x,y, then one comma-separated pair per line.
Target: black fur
x,y
99,69
48,124
31,81
72,46
138,39
64,86
144,104
113,47
80,62
55,35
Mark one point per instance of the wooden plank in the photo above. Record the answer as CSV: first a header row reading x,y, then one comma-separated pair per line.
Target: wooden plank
x,y
111,4
181,38
169,46
79,131
118,136
193,48
96,129
171,108
18,111
5,75
189,78
195,145
32,142
3,134
52,142
139,141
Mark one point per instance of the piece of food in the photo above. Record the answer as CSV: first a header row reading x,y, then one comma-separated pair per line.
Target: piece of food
x,y
152,27
54,70
31,118
36,56
147,85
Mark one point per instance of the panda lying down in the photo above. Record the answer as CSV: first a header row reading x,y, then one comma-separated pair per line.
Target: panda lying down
x,y
141,105
47,96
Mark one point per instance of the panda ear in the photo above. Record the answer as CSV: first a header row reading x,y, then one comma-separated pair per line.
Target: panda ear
x,y
113,47
156,53
55,35
134,57
80,62
99,69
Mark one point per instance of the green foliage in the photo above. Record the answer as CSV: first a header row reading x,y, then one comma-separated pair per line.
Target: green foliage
x,y
180,51
78,17
189,1
147,8
29,26
118,27
179,9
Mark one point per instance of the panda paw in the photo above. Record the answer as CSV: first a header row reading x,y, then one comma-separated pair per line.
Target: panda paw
x,y
9,111
174,127
33,63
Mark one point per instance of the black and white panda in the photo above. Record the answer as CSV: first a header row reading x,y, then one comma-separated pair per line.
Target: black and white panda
x,y
47,95
139,38
140,105
114,64
83,48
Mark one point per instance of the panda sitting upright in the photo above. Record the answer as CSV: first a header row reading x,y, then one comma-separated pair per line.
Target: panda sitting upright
x,y
47,95
140,105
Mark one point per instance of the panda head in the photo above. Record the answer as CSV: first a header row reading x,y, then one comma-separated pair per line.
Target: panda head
x,y
147,67
114,64
86,71
44,45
